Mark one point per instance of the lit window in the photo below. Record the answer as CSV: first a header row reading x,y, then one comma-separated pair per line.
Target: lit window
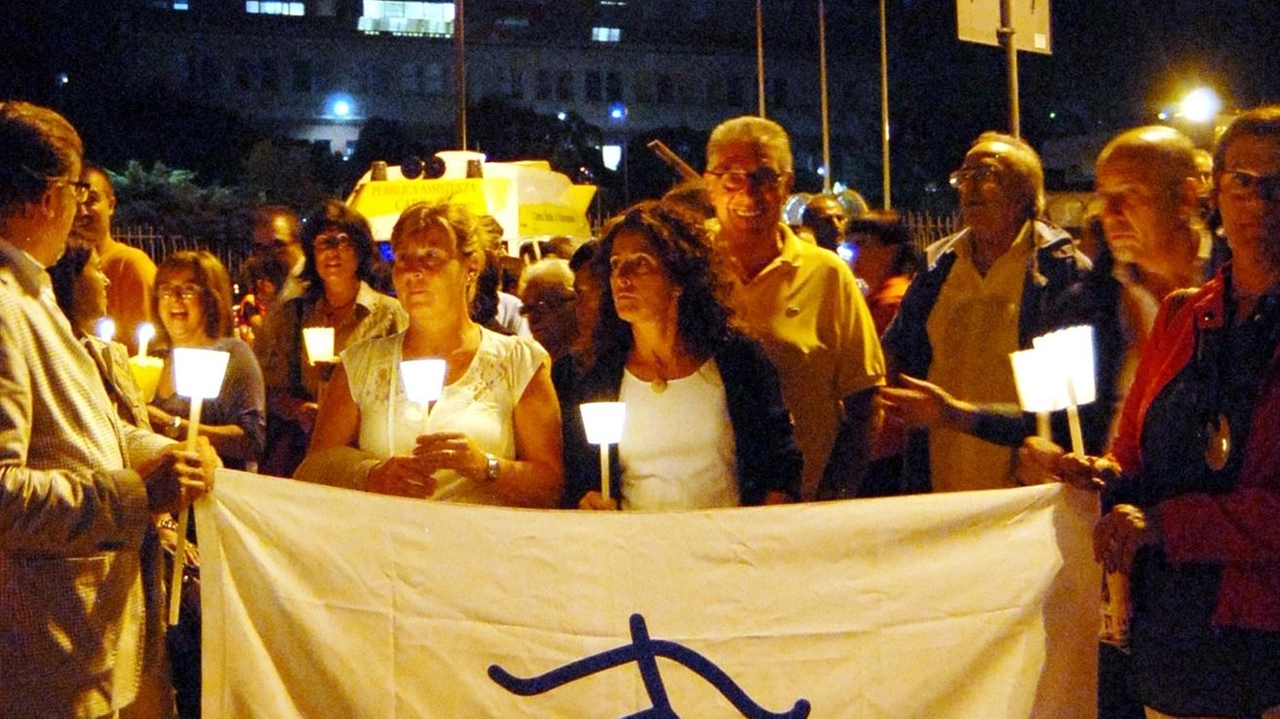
x,y
407,17
606,34
255,7
613,3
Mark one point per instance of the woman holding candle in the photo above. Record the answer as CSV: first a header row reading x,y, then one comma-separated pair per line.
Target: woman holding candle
x,y
491,438
340,267
665,347
1195,476
81,290
192,300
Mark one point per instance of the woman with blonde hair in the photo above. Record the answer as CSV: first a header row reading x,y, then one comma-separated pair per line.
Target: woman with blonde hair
x,y
491,438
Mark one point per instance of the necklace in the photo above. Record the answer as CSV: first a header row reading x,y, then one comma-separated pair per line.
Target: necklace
x,y
332,313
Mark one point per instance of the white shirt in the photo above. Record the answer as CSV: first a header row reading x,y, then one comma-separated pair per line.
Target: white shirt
x,y
677,449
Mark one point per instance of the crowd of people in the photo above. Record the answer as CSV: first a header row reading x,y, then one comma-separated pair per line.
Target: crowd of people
x,y
829,361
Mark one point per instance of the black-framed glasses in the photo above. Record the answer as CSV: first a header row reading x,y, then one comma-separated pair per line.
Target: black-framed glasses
x,y
547,305
338,241
1243,183
80,187
186,291
977,173
764,178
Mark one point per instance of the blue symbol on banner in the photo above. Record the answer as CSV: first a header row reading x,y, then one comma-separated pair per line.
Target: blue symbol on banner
x,y
644,652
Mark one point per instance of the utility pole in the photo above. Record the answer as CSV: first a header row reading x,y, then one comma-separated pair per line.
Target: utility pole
x,y
460,68
1006,32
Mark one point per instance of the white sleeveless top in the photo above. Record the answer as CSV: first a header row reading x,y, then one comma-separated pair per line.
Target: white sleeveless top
x,y
481,403
677,449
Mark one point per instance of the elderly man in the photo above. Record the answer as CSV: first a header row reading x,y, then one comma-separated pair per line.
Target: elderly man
x,y
546,289
80,634
1148,180
800,301
986,292
129,270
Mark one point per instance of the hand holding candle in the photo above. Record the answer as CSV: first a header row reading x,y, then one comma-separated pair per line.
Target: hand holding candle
x,y
604,422
197,374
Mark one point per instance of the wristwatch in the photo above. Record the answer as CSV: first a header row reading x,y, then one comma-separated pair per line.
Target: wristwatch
x,y
173,428
491,472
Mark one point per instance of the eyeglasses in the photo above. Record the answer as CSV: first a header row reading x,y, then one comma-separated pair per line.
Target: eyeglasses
x,y
763,178
80,187
548,305
1242,184
340,241
187,292
978,173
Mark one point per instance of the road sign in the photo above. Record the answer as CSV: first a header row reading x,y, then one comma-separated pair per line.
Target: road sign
x,y
979,21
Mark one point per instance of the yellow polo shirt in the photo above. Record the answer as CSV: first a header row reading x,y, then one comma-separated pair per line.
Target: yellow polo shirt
x,y
973,327
807,312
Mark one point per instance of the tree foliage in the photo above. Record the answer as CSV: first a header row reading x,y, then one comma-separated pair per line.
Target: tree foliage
x,y
172,201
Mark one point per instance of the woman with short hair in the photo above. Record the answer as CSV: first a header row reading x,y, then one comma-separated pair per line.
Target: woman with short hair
x,y
491,438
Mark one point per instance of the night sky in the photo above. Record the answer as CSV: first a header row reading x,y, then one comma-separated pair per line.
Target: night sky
x,y
1116,63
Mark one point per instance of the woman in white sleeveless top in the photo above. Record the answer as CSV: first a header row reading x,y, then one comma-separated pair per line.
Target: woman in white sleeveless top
x,y
706,424
491,438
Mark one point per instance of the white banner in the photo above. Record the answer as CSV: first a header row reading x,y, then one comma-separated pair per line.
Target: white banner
x,y
327,603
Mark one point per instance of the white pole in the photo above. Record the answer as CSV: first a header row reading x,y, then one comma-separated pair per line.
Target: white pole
x,y
760,56
180,549
884,105
604,471
822,81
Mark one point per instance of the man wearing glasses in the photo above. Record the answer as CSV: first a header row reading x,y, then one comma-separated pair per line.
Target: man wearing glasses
x,y
800,301
81,633
986,292
129,270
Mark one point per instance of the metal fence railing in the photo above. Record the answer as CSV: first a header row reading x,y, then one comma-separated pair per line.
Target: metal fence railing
x,y
158,244
927,228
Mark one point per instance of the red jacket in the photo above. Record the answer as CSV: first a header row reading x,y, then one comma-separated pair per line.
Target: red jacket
x,y
1239,530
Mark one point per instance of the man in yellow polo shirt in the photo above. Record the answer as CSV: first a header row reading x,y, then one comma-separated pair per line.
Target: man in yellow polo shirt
x,y
800,301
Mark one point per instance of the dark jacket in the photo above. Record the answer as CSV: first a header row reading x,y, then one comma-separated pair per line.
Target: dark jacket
x,y
767,456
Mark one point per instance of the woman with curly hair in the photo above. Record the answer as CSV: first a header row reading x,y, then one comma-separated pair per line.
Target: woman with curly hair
x,y
664,346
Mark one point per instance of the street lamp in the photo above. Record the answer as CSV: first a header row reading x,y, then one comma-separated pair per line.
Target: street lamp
x,y
1201,105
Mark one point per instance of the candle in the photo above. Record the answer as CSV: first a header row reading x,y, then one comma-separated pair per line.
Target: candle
x,y
603,422
146,333
197,374
146,372
1070,351
105,329
319,342
423,383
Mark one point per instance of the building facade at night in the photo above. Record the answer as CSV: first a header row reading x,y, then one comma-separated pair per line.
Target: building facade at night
x,y
318,69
